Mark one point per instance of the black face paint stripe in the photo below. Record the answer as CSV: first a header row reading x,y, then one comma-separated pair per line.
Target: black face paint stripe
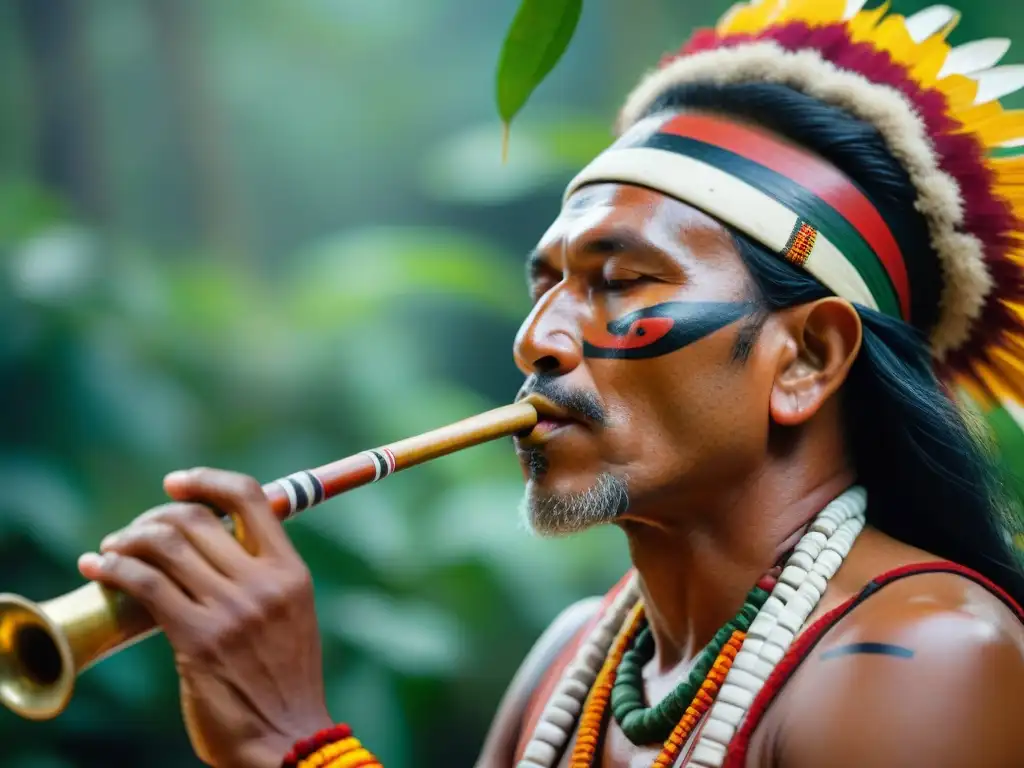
x,y
664,328
876,649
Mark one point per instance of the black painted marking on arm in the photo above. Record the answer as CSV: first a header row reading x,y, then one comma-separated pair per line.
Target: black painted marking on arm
x,y
874,649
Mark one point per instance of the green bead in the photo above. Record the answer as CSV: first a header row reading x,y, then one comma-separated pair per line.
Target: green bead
x,y
650,725
632,685
631,699
622,714
632,722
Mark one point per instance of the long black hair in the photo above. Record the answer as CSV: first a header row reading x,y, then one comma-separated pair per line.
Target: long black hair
x,y
930,483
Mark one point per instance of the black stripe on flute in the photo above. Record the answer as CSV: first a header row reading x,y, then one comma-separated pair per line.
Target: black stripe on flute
x,y
300,493
318,487
385,467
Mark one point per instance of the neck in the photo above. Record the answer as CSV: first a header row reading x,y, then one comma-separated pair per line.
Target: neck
x,y
696,572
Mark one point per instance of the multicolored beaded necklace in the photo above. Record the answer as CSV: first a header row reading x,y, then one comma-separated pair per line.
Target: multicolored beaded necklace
x,y
724,681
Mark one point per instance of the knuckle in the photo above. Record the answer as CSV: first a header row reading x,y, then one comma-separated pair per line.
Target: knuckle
x,y
301,580
249,487
153,536
244,617
274,601
181,514
142,582
292,588
189,515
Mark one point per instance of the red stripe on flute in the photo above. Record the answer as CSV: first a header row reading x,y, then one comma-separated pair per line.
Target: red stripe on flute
x,y
814,175
337,477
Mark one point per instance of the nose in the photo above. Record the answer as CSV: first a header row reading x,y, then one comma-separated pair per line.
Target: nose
x,y
550,340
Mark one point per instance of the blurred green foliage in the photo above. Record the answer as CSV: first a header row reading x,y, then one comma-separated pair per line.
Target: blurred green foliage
x,y
263,235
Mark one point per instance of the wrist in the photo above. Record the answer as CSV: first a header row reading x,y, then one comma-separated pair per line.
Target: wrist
x,y
273,750
333,746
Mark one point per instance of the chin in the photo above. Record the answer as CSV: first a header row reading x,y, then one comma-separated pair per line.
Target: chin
x,y
548,510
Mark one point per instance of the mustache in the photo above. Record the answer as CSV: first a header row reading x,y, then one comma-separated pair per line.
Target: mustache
x,y
580,403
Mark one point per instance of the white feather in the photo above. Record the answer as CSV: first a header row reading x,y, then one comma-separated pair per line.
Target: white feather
x,y
975,56
1011,143
997,82
931,20
853,7
1014,410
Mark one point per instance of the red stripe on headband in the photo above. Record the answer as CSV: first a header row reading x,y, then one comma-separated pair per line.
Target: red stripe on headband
x,y
814,175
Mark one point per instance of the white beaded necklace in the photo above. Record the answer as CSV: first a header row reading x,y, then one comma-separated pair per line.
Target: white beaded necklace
x,y
815,560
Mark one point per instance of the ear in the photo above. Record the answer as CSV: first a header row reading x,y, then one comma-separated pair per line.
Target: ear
x,y
826,337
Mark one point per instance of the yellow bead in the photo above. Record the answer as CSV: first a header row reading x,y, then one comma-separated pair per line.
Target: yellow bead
x,y
351,759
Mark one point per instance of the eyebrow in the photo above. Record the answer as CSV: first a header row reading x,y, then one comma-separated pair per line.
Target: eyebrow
x,y
607,245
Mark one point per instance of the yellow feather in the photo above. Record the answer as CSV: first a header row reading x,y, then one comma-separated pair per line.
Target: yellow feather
x,y
1015,338
944,32
751,17
1014,343
814,12
863,24
959,91
1009,125
977,114
892,36
1009,171
1011,371
1018,310
1013,194
993,382
724,24
930,56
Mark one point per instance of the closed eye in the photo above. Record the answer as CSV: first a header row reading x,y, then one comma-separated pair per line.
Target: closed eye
x,y
622,284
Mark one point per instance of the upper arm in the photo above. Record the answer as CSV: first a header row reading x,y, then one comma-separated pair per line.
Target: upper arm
x,y
956,701
500,744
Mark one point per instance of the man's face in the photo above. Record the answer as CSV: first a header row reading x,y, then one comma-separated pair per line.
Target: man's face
x,y
642,333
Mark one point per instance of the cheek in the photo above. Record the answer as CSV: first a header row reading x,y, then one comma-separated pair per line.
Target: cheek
x,y
687,412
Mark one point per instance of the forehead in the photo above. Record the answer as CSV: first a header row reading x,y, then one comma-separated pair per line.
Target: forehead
x,y
605,210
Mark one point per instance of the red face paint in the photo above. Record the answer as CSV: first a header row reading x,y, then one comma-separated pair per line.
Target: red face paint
x,y
662,328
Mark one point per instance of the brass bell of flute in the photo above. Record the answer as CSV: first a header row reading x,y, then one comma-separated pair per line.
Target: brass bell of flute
x,y
45,646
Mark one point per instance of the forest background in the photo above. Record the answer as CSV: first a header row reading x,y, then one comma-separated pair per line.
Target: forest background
x,y
263,235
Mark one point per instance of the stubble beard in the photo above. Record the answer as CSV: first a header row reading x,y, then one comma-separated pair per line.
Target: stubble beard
x,y
558,514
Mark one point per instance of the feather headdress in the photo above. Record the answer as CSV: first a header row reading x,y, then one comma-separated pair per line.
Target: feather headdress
x,y
938,109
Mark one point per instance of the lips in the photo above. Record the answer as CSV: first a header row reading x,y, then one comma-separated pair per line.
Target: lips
x,y
551,420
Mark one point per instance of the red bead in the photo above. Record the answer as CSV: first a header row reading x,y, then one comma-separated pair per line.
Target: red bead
x,y
766,582
306,747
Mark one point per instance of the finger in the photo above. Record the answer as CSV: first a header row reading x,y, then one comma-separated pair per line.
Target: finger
x,y
235,494
202,527
155,591
169,551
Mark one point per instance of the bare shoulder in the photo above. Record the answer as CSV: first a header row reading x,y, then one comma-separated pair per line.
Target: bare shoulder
x,y
503,734
927,671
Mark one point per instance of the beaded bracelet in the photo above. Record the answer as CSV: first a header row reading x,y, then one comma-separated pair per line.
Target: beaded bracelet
x,y
330,748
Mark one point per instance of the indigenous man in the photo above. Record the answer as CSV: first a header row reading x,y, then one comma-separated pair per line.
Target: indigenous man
x,y
737,320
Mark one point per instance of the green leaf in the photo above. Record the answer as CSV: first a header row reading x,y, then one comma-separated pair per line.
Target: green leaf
x,y
538,37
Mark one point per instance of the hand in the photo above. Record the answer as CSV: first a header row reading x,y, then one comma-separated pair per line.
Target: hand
x,y
239,615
